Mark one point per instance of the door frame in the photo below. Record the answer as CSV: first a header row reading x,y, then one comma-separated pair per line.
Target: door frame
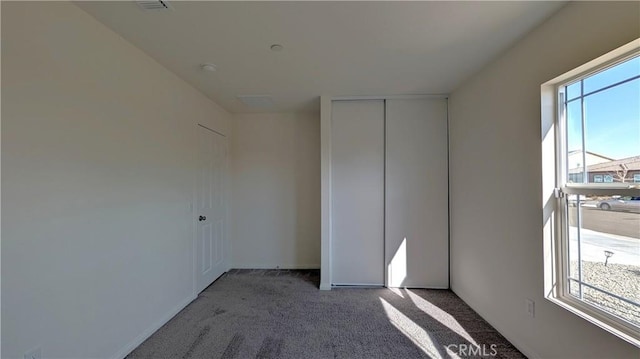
x,y
325,175
193,208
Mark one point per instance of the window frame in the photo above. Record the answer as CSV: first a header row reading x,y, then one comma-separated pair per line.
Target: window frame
x,y
556,205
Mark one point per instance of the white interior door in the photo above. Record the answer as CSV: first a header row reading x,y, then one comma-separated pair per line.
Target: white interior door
x,y
210,207
357,190
416,194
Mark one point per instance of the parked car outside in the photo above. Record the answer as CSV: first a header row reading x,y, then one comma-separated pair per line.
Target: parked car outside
x,y
631,204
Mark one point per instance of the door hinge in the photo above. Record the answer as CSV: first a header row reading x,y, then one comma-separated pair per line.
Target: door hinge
x,y
557,192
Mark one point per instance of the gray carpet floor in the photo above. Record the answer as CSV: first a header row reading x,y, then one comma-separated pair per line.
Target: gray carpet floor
x,y
282,314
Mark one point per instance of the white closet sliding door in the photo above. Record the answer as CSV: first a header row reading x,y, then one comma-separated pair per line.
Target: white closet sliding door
x,y
357,192
416,194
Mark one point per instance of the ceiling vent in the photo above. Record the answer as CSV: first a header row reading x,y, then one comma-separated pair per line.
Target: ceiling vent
x,y
154,5
257,101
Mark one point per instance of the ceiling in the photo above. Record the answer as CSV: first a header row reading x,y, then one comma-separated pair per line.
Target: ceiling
x,y
330,48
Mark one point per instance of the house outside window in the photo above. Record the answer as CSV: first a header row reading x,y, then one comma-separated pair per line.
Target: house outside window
x,y
593,127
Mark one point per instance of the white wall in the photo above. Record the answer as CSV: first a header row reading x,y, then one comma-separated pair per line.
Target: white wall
x,y
276,190
496,223
98,150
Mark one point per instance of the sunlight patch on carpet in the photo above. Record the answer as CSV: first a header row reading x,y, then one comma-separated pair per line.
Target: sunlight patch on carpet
x,y
420,337
440,315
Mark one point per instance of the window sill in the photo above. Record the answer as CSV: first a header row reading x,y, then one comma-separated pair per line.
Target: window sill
x,y
599,318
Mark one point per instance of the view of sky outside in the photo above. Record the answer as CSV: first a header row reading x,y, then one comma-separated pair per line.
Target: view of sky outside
x,y
612,116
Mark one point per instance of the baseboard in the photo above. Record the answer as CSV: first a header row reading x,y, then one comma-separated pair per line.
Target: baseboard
x,y
419,287
122,353
522,347
325,286
276,266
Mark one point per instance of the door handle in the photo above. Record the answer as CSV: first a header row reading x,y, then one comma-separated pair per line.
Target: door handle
x,y
202,218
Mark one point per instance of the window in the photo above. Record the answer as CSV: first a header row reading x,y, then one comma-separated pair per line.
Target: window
x,y
594,223
575,177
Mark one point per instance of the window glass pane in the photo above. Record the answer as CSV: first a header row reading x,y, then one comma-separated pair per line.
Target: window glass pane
x,y
573,90
575,156
601,129
612,132
604,253
620,72
575,177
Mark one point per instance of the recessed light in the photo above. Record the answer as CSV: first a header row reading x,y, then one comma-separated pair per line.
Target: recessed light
x,y
208,67
276,47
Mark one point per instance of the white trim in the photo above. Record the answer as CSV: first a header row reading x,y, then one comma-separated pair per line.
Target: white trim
x,y
128,348
325,192
277,266
226,242
192,207
555,212
421,287
597,317
629,189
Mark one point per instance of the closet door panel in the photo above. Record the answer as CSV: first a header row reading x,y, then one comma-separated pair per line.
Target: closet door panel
x,y
416,199
357,193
